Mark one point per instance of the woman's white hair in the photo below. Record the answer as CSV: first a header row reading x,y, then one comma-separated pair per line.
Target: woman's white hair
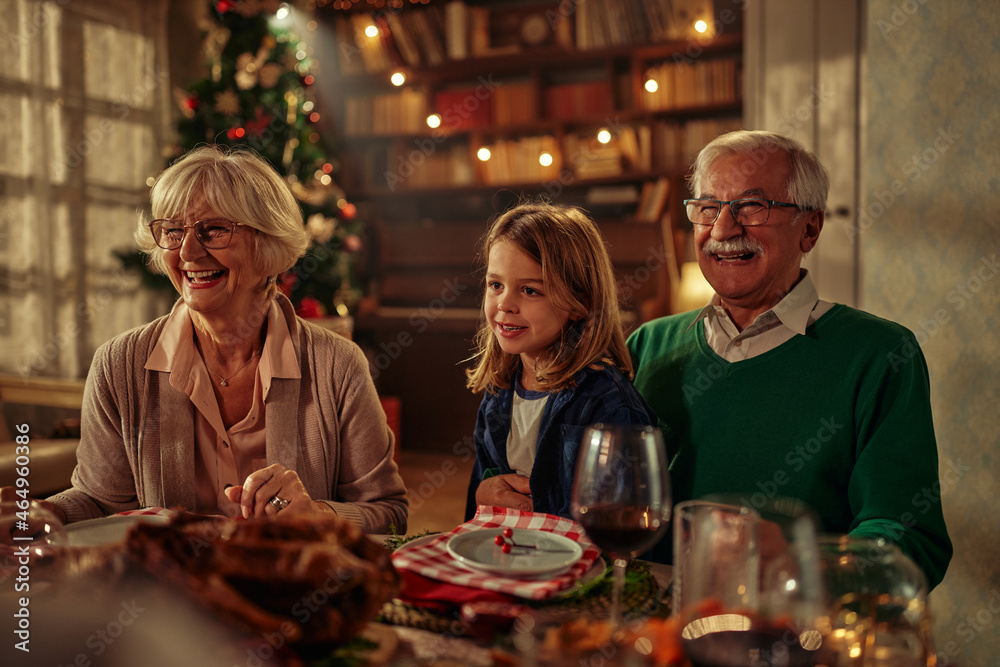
x,y
236,184
808,185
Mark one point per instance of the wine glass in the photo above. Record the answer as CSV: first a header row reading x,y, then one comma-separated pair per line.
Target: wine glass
x,y
621,496
31,539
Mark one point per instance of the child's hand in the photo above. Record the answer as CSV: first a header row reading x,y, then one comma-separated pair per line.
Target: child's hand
x,y
509,490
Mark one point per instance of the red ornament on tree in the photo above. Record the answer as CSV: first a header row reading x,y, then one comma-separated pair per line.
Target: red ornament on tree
x,y
223,6
348,211
191,103
235,133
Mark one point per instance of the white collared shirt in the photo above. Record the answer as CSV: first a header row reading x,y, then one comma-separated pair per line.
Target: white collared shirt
x,y
790,316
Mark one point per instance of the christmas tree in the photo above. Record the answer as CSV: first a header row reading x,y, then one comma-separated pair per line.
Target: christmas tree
x,y
258,93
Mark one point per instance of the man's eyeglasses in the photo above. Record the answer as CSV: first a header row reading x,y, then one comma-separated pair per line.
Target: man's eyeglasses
x,y
213,234
747,212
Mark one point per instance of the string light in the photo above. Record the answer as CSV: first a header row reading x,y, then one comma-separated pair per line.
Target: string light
x,y
434,120
483,154
398,78
651,85
545,159
604,136
371,30
700,26
283,12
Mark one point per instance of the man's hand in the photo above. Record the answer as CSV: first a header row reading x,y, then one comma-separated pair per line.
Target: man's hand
x,y
505,491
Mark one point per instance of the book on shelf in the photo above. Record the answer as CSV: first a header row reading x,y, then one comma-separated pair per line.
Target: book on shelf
x,y
653,200
611,194
387,113
567,101
604,24
428,25
701,83
456,16
402,35
516,161
636,147
514,103
462,109
697,133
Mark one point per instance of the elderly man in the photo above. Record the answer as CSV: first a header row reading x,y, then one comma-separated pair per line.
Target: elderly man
x,y
769,391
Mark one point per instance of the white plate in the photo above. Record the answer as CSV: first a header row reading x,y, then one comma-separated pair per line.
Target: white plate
x,y
478,550
107,530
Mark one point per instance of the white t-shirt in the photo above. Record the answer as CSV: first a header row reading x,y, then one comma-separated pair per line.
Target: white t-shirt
x,y
526,419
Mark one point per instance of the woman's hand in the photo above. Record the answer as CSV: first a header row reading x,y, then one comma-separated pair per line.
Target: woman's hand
x,y
509,490
274,481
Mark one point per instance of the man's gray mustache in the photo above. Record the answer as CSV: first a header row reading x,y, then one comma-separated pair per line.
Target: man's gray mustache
x,y
740,246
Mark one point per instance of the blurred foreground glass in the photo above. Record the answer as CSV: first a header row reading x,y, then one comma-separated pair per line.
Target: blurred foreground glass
x,y
877,604
731,616
621,495
31,542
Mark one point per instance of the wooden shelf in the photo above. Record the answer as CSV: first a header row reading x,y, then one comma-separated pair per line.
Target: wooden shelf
x,y
426,227
553,58
552,126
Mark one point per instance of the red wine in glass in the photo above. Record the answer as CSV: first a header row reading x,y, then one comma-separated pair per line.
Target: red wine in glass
x,y
621,532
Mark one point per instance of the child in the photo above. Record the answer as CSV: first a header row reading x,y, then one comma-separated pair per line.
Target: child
x,y
551,357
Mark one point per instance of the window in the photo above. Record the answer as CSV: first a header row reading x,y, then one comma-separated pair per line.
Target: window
x,y
84,91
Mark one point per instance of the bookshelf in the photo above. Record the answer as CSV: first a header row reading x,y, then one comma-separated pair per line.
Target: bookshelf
x,y
562,97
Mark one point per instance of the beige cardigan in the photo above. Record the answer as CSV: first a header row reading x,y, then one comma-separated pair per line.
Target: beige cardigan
x,y
137,444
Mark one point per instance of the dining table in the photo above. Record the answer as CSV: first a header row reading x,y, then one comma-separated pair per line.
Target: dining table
x,y
446,612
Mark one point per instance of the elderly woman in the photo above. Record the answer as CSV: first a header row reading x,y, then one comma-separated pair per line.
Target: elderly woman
x,y
231,404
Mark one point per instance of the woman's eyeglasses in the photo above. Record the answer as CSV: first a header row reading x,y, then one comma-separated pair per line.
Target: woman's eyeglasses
x,y
212,234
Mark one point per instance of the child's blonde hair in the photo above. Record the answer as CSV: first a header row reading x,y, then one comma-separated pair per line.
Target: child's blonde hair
x,y
579,279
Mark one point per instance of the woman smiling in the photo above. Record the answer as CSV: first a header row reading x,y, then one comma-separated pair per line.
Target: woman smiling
x,y
231,404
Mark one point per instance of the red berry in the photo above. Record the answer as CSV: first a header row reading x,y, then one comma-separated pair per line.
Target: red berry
x,y
507,532
505,548
498,539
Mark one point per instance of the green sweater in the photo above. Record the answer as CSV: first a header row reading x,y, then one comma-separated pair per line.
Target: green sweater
x,y
839,418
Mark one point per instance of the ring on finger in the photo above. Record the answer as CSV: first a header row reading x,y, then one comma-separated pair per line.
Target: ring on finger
x,y
278,502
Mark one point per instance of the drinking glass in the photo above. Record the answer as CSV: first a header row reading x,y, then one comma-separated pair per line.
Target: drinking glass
x,y
621,496
31,539
735,566
877,605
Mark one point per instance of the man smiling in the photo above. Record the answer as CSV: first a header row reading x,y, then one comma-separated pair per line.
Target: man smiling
x,y
769,391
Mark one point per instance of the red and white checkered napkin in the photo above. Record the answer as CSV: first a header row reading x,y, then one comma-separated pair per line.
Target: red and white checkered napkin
x,y
432,559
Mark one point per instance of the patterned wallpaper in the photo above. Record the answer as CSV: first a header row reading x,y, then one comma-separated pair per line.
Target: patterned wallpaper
x,y
929,259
